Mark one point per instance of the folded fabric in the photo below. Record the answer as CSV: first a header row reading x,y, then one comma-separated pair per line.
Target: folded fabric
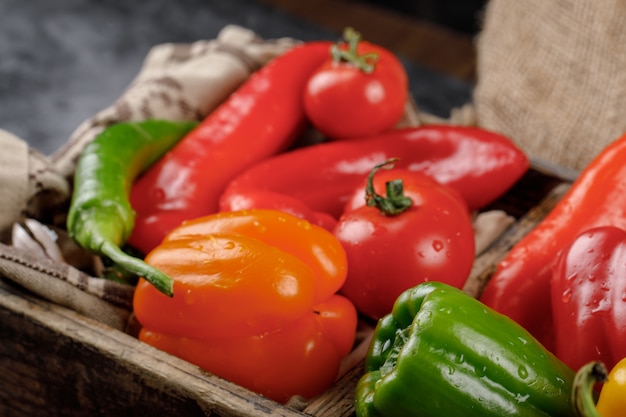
x,y
30,186
179,82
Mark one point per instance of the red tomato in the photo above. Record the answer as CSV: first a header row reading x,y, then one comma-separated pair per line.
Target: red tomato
x,y
360,91
431,240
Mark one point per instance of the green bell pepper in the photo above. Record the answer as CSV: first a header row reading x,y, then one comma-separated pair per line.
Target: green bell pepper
x,y
441,352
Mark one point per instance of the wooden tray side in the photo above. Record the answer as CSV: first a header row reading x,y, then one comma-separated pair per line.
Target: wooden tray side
x,y
55,362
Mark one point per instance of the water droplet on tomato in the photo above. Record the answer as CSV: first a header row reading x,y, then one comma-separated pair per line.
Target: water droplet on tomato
x,y
438,245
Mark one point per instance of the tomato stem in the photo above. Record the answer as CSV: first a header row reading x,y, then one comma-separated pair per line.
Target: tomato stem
x,y
395,202
365,62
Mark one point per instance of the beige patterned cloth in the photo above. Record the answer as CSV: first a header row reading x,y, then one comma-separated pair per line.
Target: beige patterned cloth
x,y
179,82
30,186
551,75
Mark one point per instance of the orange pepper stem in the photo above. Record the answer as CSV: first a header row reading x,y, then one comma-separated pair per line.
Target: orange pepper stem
x,y
395,202
365,62
583,394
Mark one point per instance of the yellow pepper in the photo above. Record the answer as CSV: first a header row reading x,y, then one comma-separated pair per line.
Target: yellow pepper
x,y
612,399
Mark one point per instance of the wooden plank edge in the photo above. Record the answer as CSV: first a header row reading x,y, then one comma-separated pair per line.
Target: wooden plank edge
x,y
486,264
146,365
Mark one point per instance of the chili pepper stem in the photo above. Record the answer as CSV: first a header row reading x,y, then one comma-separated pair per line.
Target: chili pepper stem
x,y
365,62
582,395
395,202
158,279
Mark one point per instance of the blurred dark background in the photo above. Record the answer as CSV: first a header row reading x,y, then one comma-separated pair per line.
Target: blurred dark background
x,y
437,34
458,15
62,61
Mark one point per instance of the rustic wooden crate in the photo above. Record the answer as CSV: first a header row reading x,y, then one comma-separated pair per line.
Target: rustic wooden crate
x,y
56,362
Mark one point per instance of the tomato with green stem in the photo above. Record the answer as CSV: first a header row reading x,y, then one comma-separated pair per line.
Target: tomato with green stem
x,y
420,231
361,90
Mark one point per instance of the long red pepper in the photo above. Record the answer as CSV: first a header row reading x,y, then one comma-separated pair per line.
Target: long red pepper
x,y
588,291
263,117
520,287
315,182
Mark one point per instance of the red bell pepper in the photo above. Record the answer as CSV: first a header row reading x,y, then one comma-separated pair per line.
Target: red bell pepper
x,y
315,182
589,298
520,287
263,117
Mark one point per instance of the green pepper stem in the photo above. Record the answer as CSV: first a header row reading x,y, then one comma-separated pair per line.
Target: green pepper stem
x,y
365,62
158,279
395,202
583,397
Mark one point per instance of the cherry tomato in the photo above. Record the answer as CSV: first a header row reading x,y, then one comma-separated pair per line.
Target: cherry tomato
x,y
421,231
361,90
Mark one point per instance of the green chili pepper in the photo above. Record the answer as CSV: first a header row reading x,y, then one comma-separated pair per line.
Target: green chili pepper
x,y
443,353
100,217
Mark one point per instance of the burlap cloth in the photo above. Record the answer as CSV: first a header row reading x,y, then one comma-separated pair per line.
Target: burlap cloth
x,y
550,76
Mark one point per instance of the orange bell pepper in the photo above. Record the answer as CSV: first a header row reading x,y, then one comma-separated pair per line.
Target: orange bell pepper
x,y
254,301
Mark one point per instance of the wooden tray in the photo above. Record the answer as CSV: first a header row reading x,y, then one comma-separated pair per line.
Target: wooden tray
x,y
56,362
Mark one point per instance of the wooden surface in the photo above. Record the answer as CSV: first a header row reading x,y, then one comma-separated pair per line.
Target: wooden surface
x,y
435,47
56,362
